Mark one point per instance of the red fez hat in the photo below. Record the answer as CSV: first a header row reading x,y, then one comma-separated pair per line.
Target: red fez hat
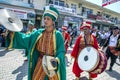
x,y
86,24
64,27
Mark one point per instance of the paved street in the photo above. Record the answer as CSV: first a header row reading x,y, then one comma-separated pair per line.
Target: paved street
x,y
13,67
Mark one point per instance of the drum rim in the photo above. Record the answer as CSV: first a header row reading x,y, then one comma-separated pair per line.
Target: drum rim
x,y
105,61
97,62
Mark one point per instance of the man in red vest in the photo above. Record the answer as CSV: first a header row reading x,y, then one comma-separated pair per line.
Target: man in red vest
x,y
90,40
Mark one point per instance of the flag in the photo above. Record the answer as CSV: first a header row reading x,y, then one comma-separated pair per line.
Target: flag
x,y
108,2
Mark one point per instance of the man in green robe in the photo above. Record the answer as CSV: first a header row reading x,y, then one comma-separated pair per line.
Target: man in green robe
x,y
20,40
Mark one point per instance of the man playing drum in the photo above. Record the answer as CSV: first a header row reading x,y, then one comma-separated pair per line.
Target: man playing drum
x,y
113,49
82,40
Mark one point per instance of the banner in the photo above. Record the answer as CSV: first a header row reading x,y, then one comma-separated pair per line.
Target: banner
x,y
64,9
108,2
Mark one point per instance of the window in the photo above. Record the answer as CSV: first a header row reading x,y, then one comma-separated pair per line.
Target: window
x,y
83,9
61,3
73,6
50,1
98,13
56,2
89,11
106,16
86,11
66,5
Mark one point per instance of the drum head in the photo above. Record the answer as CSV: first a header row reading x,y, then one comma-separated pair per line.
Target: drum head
x,y
88,58
47,66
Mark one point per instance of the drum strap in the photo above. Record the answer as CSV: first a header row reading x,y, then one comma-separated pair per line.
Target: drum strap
x,y
85,41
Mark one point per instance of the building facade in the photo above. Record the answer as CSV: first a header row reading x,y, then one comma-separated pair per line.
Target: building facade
x,y
102,18
72,13
68,16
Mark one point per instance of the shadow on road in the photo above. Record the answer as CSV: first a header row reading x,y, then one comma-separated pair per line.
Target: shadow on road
x,y
3,51
118,64
21,71
114,74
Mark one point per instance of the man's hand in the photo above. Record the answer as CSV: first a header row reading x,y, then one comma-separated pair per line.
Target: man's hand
x,y
54,62
103,48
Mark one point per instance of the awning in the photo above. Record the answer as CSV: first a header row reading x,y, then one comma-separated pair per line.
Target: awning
x,y
90,20
104,23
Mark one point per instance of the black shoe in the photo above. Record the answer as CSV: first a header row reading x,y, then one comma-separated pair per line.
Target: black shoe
x,y
110,69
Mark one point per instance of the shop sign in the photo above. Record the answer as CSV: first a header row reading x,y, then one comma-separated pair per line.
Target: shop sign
x,y
68,19
64,9
74,19
21,14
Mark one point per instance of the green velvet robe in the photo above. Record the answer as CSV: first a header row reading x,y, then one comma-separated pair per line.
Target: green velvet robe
x,y
23,41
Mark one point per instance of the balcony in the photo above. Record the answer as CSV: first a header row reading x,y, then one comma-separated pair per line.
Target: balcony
x,y
17,3
92,16
103,19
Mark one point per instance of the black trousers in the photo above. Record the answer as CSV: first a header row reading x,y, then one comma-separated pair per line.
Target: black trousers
x,y
111,56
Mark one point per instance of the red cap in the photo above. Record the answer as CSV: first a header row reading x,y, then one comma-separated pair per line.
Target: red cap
x,y
86,24
64,27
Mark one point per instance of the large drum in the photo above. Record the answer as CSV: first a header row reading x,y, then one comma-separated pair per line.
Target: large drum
x,y
92,61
